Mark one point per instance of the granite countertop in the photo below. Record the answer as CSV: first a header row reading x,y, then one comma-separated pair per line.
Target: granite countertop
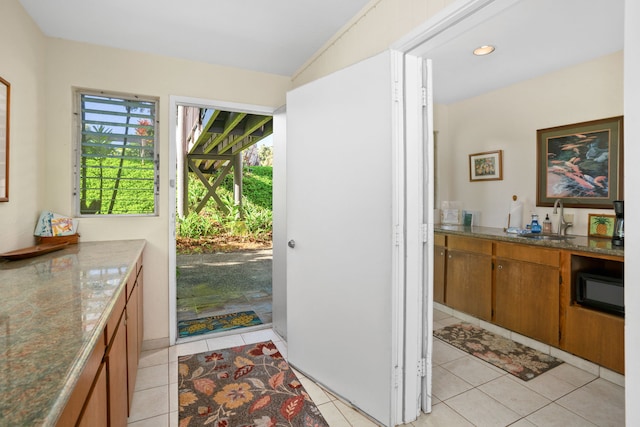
x,y
575,243
53,310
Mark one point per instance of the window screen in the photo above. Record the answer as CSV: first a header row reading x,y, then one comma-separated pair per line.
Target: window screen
x,y
117,163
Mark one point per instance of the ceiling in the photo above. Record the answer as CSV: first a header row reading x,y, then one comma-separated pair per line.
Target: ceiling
x,y
271,36
532,37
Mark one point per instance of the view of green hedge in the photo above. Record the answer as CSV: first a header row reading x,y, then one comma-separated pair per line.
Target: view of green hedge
x,y
132,191
256,219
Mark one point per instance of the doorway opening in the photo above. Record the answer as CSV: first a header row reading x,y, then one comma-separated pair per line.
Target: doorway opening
x,y
223,220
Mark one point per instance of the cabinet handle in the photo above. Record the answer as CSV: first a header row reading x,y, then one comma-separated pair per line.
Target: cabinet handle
x,y
499,266
441,253
449,256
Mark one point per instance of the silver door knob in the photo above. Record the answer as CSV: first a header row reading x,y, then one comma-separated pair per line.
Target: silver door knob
x,y
291,243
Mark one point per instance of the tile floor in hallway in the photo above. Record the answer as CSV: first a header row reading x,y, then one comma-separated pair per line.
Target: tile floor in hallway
x,y
466,390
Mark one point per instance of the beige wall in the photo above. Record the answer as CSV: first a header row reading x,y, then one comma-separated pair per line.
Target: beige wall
x,y
43,73
507,119
22,64
380,24
71,64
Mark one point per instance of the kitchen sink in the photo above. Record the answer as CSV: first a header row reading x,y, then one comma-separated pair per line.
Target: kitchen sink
x,y
540,236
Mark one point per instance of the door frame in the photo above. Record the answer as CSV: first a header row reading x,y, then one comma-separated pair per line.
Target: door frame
x,y
174,102
419,142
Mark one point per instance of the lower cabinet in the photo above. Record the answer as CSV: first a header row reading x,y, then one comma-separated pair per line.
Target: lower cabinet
x,y
104,391
527,291
439,268
468,276
133,335
96,411
530,289
116,361
584,328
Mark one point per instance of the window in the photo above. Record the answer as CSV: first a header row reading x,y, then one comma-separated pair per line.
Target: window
x,y
117,163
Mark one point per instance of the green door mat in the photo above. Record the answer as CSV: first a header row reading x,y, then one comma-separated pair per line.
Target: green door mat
x,y
222,322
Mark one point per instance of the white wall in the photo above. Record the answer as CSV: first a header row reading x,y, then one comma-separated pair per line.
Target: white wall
x,y
507,119
22,49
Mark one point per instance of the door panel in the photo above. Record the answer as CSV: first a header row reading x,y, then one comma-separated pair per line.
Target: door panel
x,y
340,184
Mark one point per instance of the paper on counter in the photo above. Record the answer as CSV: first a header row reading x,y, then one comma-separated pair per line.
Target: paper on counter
x,y
515,214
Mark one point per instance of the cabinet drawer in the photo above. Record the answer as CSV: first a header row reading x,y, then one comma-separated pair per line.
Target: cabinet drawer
x,y
439,240
544,256
468,244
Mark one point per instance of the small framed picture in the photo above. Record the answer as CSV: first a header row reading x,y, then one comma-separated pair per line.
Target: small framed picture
x,y
485,166
601,225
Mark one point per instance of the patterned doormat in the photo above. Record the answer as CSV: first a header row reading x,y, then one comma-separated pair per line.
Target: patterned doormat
x,y
517,359
250,385
204,325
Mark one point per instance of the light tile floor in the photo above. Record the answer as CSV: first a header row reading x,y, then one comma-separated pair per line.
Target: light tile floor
x,y
466,391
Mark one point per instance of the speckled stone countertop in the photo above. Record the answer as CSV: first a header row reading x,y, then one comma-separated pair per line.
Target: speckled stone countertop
x,y
53,310
574,243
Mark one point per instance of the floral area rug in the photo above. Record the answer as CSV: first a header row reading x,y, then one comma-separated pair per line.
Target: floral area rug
x,y
243,386
517,359
204,325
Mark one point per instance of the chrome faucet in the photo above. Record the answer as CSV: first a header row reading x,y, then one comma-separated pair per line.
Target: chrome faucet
x,y
562,224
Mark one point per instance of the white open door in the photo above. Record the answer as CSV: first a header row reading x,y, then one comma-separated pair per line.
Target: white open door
x,y
344,227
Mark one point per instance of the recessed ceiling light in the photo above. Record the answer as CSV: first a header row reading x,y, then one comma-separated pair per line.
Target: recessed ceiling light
x,y
483,50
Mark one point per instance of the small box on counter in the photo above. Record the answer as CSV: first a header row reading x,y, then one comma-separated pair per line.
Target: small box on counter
x,y
71,239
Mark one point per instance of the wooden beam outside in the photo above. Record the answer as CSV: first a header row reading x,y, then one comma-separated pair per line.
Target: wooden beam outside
x,y
253,123
203,136
232,121
211,188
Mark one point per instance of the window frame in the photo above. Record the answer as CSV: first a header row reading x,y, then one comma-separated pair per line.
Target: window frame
x,y
77,112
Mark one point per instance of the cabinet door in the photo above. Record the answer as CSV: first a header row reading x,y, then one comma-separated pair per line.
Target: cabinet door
x,y
96,410
116,360
439,268
140,285
469,283
132,342
584,327
528,299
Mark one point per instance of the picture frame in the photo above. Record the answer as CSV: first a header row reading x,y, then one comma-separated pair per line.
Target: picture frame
x,y
601,225
581,164
5,98
485,166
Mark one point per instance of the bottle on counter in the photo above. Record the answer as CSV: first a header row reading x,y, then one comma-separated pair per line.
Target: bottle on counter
x,y
535,225
546,225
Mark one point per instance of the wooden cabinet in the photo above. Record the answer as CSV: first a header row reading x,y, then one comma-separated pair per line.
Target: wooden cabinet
x,y
76,404
104,392
595,336
116,361
527,291
133,354
96,411
439,268
468,275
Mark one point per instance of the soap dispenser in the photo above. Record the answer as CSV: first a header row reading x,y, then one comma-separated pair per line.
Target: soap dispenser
x,y
535,225
546,225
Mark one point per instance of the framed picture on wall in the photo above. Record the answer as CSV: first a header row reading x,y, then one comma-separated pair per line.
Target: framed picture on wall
x,y
485,166
581,164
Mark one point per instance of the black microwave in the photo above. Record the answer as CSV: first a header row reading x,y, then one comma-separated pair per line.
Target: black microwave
x,y
600,291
